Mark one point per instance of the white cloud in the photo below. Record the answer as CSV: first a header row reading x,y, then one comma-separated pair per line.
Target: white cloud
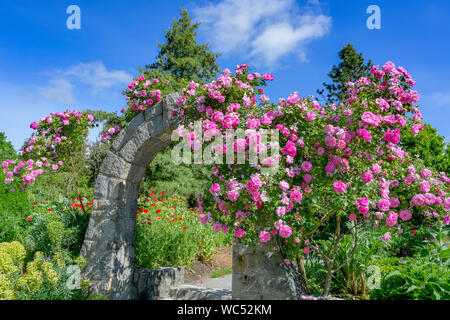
x,y
59,90
437,99
263,30
94,75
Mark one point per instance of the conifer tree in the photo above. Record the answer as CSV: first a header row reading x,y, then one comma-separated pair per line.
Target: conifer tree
x,y
351,67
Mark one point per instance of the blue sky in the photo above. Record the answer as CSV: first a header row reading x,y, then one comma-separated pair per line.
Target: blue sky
x,y
46,67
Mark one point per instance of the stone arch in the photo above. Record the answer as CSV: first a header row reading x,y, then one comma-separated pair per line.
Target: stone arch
x,y
258,272
109,240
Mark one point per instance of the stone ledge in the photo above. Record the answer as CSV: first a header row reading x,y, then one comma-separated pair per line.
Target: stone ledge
x,y
189,292
156,284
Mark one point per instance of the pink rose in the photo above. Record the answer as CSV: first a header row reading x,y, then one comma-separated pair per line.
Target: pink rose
x,y
264,236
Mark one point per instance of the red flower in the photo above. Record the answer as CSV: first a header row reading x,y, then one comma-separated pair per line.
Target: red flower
x,y
162,192
29,218
146,211
139,211
34,203
180,219
158,211
49,209
184,228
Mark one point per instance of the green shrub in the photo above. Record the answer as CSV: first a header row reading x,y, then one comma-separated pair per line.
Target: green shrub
x,y
14,226
186,180
57,226
425,276
40,279
168,233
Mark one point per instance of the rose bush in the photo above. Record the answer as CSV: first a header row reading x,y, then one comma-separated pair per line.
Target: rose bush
x,y
53,143
337,162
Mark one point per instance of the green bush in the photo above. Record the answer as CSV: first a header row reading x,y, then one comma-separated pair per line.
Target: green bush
x,y
39,279
13,226
168,233
57,227
186,180
425,276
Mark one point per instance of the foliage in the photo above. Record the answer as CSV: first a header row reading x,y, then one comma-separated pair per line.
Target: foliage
x,y
163,175
168,233
13,205
429,146
350,68
424,276
6,148
58,226
40,279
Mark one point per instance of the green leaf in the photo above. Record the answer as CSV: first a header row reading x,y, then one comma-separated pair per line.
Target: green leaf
x,y
411,288
393,274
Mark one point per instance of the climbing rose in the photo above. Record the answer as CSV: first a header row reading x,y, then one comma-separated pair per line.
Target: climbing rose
x,y
405,215
367,177
264,236
285,231
384,204
215,188
386,237
340,186
240,233
306,166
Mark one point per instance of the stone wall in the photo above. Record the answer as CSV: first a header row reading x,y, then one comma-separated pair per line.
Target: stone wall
x,y
260,273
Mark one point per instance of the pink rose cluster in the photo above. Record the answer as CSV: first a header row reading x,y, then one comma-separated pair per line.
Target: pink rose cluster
x,y
51,134
357,141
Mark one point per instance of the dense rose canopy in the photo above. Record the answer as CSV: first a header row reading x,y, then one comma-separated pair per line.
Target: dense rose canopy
x,y
334,160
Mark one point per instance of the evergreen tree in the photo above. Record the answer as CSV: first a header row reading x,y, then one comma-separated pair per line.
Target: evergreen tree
x,y
181,57
180,60
351,67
